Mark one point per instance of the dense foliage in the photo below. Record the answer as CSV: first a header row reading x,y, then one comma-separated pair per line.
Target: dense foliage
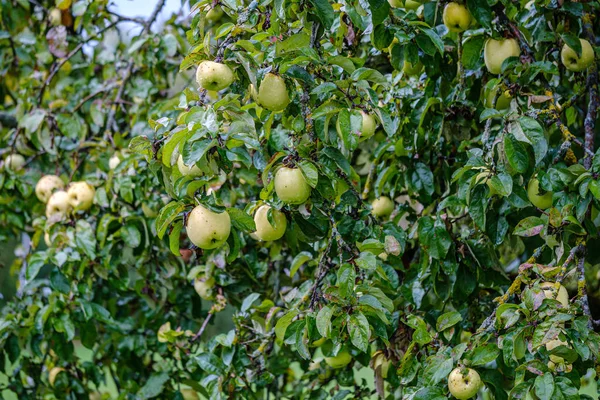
x,y
370,194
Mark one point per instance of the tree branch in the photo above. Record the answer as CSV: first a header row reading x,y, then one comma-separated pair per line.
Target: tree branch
x,y
592,111
203,327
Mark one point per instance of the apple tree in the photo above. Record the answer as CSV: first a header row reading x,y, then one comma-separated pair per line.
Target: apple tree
x,y
301,199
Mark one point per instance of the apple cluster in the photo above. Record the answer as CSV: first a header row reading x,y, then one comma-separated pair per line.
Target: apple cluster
x,y
78,196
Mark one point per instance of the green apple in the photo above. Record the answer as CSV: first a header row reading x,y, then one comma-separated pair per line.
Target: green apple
x,y
486,176
264,230
342,359
14,162
189,394
496,51
81,195
212,75
291,186
214,14
192,171
406,4
575,63
369,125
541,201
503,101
55,17
47,185
204,288
272,93
114,161
208,229
53,374
561,295
411,69
456,17
464,383
59,205
382,207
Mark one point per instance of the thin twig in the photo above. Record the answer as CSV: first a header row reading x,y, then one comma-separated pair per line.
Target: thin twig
x,y
592,111
202,328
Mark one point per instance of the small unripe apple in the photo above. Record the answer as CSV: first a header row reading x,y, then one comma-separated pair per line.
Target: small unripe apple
x,y
47,185
561,295
212,75
369,125
81,195
342,359
464,383
291,186
53,374
114,162
541,201
192,171
264,230
14,162
55,16
496,51
502,102
214,14
272,93
411,69
59,205
204,288
406,4
456,17
382,207
208,229
577,63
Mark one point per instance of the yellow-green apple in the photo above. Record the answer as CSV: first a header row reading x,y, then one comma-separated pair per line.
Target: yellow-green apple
x,y
342,359
411,69
264,230
185,170
208,229
81,195
576,63
53,374
456,17
212,75
464,383
382,207
291,186
541,201
369,125
14,162
204,288
47,185
502,102
214,14
496,51
560,294
59,205
272,93
114,161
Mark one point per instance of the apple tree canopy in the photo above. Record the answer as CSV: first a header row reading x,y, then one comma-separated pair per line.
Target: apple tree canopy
x,y
300,199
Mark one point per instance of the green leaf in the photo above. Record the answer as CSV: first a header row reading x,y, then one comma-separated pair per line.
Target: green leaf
x,y
516,153
448,320
482,355
35,264
535,133
298,261
283,323
434,239
324,321
346,278
166,215
324,11
435,39
367,261
358,328
544,387
472,49
310,172
530,226
481,11
241,220
85,238
379,11
174,236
